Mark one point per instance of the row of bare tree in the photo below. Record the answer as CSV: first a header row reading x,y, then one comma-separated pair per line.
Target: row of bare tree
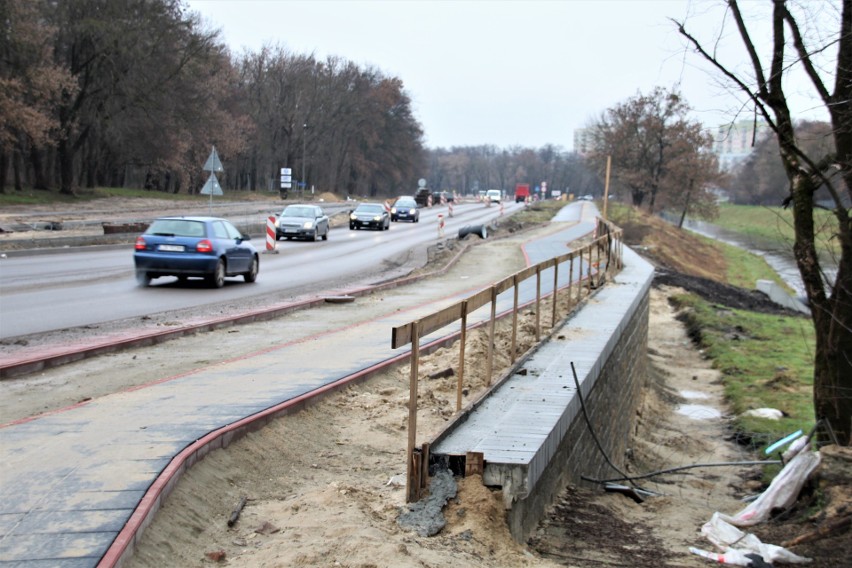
x,y
129,93
469,169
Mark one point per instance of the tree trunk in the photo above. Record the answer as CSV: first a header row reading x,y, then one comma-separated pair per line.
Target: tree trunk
x,y
39,178
66,167
685,206
17,166
4,167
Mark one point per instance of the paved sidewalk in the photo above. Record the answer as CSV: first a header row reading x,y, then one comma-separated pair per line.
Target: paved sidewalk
x,y
71,480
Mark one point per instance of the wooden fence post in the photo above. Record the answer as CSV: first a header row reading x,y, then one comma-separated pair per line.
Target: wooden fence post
x,y
555,296
515,319
412,485
462,341
537,303
489,366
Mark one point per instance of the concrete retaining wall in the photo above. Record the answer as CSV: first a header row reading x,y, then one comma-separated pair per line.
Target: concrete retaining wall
x,y
532,430
611,406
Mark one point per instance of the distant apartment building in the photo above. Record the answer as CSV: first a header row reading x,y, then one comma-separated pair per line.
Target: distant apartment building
x,y
584,140
733,142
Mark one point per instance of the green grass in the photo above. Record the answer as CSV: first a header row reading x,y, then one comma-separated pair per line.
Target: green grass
x,y
774,225
766,362
539,212
746,268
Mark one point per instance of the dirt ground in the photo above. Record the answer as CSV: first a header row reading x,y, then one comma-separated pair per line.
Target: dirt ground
x,y
325,487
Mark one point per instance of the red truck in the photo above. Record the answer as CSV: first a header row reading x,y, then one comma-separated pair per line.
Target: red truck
x,y
522,192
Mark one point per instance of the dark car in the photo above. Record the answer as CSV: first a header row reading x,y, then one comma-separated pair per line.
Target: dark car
x,y
439,197
405,209
302,222
370,216
422,197
194,247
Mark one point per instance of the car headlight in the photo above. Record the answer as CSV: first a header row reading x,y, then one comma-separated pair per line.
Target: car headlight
x,y
308,225
353,216
377,218
393,210
413,210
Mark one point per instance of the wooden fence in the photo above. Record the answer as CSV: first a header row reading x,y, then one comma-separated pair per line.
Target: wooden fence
x,y
601,258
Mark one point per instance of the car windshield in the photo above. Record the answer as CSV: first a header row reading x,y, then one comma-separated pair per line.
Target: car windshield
x,y
405,203
298,212
369,208
176,228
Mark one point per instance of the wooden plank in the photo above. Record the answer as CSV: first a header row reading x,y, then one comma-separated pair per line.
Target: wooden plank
x,y
478,300
414,469
440,319
425,448
474,464
528,272
401,335
504,284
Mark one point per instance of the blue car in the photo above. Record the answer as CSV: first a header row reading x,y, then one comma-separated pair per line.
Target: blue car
x,y
405,209
194,247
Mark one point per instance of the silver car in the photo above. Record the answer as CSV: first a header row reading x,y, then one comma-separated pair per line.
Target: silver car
x,y
302,222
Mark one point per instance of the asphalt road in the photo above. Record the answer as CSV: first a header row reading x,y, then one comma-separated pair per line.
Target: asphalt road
x,y
48,292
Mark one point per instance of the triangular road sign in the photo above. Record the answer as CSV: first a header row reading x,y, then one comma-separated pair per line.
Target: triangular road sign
x,y
213,164
212,186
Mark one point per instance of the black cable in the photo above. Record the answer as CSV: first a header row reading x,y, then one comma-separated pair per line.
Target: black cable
x,y
592,430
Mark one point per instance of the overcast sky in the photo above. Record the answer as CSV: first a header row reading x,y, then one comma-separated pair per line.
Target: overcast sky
x,y
499,72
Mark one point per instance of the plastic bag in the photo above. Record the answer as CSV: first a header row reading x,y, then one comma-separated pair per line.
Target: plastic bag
x,y
726,536
730,557
780,494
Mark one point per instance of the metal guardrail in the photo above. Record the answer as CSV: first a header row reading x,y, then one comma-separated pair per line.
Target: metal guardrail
x,y
601,258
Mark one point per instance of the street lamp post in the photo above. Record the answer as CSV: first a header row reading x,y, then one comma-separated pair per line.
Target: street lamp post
x,y
304,153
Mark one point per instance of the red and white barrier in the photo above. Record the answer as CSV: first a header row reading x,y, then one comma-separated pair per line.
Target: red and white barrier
x,y
440,225
270,234
501,208
450,206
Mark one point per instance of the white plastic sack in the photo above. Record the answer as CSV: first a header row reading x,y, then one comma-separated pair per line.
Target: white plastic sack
x,y
781,493
726,537
730,557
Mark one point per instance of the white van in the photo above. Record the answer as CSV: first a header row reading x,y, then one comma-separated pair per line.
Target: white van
x,y
494,195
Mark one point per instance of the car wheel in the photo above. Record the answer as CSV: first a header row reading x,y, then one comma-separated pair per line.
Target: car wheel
x,y
251,275
217,279
325,235
143,278
351,227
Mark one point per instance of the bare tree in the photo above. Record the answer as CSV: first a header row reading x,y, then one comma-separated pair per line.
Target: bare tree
x,y
655,150
30,84
830,301
762,179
